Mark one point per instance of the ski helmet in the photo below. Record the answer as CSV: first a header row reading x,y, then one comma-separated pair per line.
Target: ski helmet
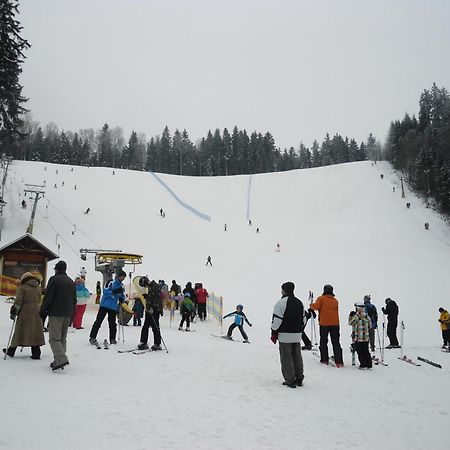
x,y
239,307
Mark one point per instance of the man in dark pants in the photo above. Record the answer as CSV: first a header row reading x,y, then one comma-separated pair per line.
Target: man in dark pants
x,y
391,311
153,309
59,305
287,326
113,295
328,307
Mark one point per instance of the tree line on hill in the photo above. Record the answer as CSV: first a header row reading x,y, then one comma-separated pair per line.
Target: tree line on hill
x,y
219,153
420,148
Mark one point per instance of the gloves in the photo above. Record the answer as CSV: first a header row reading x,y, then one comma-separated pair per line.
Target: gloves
x,y
439,320
274,337
352,313
250,325
12,312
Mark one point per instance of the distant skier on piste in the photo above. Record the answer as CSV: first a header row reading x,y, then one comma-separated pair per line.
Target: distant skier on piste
x,y
239,317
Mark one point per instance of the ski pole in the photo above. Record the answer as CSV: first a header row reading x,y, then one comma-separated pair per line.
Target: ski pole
x,y
384,322
379,345
10,334
159,329
401,338
121,323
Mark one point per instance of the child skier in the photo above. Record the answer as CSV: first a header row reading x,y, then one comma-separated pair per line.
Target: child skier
x,y
138,312
239,318
361,324
186,308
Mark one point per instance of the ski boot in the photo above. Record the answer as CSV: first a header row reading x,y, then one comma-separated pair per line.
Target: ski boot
x,y
142,346
155,347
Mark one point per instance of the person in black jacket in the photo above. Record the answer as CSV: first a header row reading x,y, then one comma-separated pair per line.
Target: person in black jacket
x,y
59,305
391,311
153,309
190,290
287,327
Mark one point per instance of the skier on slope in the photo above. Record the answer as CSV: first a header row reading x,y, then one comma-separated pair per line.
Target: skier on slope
x,y
186,308
287,326
202,297
391,311
444,320
361,324
239,317
328,307
153,309
190,290
113,296
371,311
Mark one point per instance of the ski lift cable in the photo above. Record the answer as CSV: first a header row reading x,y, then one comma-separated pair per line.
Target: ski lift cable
x,y
59,235
76,227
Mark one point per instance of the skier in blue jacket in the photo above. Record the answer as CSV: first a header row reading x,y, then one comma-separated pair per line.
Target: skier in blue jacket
x,y
239,318
113,295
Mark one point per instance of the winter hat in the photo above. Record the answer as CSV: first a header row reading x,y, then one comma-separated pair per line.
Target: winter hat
x,y
186,294
288,288
26,276
441,310
366,299
328,289
61,266
239,306
388,300
360,305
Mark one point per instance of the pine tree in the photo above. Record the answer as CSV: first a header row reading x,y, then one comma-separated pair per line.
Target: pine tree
x,y
12,47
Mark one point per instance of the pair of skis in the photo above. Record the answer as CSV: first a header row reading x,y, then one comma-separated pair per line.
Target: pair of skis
x,y
228,339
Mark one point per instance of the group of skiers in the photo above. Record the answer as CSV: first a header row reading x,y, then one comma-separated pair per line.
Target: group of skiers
x,y
288,329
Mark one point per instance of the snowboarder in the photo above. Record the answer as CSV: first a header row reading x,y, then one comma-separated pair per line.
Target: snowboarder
x,y
202,296
239,317
360,324
28,331
113,295
287,326
371,311
328,307
138,312
59,305
186,308
208,261
87,211
391,311
153,309
444,320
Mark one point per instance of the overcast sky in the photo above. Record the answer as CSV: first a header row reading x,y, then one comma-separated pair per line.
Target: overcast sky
x,y
296,68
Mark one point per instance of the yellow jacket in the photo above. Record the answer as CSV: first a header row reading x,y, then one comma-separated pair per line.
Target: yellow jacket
x,y
444,318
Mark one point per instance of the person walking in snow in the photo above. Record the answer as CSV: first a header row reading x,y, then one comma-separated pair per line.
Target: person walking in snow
x,y
371,311
186,308
391,311
361,324
287,326
153,309
444,320
59,305
328,307
28,330
202,297
113,296
239,317
83,296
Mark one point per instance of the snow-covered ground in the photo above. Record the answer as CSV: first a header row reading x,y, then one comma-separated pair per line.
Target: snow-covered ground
x,y
341,225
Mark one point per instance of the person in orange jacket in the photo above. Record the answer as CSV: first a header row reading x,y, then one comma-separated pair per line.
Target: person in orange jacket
x,y
328,307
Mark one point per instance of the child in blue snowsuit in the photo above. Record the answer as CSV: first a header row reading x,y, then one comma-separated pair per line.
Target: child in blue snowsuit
x,y
239,318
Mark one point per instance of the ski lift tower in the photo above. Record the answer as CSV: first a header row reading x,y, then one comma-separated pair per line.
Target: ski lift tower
x,y
110,262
